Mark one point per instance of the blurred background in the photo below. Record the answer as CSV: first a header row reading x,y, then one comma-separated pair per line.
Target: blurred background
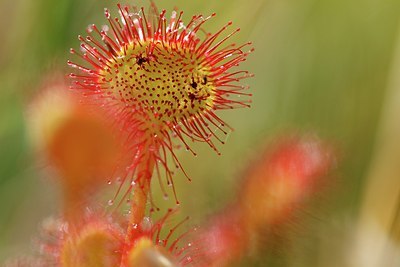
x,y
329,67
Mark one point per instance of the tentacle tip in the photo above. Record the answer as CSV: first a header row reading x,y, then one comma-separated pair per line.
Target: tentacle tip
x,y
107,13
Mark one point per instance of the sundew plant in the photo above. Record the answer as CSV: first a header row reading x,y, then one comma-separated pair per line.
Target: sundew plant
x,y
199,133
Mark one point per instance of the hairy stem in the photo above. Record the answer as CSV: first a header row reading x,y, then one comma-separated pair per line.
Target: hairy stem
x,y
140,196
141,191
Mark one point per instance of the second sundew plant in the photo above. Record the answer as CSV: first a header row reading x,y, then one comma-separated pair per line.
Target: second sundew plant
x,y
144,85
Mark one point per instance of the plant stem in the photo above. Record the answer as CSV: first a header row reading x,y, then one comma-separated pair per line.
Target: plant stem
x,y
139,198
141,191
74,202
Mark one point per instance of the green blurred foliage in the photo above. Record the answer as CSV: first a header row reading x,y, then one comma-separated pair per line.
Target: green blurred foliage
x,y
319,65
